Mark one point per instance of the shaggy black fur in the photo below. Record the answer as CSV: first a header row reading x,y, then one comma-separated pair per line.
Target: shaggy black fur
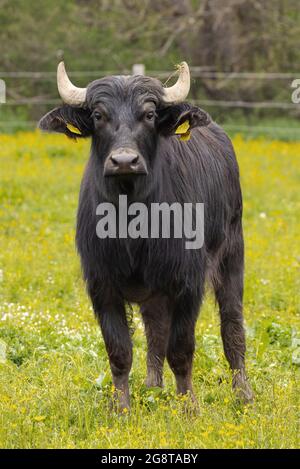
x,y
160,274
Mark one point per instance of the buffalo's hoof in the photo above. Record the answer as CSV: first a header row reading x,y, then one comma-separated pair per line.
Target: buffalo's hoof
x,y
153,383
191,404
120,403
242,388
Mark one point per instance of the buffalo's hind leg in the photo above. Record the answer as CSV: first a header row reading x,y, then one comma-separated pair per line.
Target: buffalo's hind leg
x,y
181,346
229,295
156,317
111,315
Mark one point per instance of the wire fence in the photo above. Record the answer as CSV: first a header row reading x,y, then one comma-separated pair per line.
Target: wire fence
x,y
197,73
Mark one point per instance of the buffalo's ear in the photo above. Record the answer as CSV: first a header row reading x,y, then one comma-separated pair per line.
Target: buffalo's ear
x,y
74,122
171,119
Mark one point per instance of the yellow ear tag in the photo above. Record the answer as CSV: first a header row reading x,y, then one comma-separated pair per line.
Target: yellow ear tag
x,y
183,131
185,137
183,128
73,129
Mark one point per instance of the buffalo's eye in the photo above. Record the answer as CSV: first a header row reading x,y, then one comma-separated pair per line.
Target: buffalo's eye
x,y
97,116
150,115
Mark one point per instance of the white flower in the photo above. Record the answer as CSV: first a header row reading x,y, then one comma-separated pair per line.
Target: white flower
x,y
264,281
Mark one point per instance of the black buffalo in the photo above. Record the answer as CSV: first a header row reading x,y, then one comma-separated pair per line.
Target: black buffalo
x,y
134,151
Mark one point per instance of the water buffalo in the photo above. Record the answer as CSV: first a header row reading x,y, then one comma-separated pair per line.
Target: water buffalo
x,y
133,123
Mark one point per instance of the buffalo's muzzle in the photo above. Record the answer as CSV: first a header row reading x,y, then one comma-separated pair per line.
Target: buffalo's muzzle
x,y
124,161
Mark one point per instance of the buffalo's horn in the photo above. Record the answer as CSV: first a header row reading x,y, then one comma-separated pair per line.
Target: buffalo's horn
x,y
179,91
69,93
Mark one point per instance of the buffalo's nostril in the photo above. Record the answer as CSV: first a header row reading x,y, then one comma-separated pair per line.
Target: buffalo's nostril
x,y
114,161
135,160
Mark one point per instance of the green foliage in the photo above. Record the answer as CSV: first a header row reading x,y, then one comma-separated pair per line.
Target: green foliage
x,y
112,35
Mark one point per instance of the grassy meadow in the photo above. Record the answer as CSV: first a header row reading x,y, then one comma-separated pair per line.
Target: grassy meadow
x,y
54,376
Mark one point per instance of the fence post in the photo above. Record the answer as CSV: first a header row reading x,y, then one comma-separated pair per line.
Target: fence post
x,y
2,92
138,69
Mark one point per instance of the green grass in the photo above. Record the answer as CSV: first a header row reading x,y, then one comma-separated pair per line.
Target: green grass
x,y
54,375
276,128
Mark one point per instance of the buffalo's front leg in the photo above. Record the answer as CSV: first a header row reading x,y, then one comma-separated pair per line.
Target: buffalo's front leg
x,y
156,317
116,335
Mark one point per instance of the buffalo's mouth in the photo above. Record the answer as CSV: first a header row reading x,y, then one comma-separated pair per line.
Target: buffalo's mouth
x,y
126,184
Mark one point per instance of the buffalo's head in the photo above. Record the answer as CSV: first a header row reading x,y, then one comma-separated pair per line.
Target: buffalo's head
x,y
125,116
